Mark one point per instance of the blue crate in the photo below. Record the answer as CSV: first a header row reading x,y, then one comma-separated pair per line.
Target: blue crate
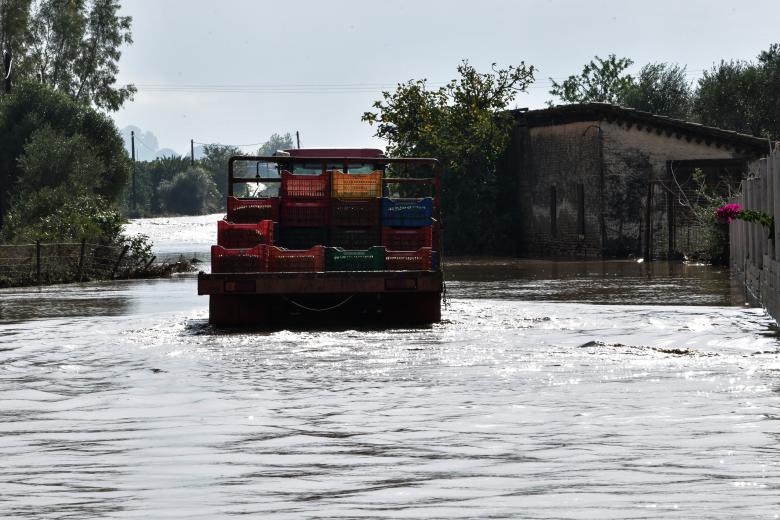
x,y
407,212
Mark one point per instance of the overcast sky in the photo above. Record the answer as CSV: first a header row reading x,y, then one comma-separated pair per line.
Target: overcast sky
x,y
235,71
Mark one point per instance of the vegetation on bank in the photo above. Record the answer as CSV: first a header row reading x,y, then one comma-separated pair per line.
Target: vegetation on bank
x,y
174,185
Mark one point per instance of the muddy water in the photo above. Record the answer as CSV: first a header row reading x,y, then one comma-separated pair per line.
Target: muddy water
x,y
551,390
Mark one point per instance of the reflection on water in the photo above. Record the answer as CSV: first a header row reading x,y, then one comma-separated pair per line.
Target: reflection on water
x,y
616,281
119,401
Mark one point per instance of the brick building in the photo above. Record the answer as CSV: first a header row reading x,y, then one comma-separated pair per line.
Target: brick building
x,y
600,180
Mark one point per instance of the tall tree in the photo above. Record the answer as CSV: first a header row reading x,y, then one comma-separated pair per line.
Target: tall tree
x,y
660,88
73,46
276,142
466,126
14,28
601,80
730,96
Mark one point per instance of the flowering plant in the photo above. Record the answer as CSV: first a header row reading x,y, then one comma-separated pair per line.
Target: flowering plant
x,y
729,212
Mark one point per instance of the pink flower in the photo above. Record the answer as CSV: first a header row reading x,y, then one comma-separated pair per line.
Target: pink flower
x,y
728,212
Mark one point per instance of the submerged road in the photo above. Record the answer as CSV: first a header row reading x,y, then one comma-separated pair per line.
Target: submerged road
x,y
550,390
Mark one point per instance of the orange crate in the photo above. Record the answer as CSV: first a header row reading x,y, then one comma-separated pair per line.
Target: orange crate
x,y
250,211
250,260
231,235
406,239
420,260
287,260
305,186
356,185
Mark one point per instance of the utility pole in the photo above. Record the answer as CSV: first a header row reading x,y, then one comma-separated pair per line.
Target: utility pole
x,y
298,138
7,70
192,152
132,156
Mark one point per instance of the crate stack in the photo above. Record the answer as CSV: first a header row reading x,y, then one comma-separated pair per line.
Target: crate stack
x,y
407,234
354,222
243,236
333,221
305,210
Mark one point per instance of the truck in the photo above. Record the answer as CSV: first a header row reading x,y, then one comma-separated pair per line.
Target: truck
x,y
321,237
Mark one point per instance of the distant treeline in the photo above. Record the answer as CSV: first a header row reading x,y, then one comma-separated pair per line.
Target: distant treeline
x,y
174,185
734,95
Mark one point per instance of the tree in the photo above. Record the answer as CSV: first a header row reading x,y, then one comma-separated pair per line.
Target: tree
x,y
660,88
769,63
215,162
72,46
14,26
730,96
601,80
49,140
276,142
191,192
465,125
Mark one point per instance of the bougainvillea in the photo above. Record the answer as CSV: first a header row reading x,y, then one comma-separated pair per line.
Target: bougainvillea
x,y
729,212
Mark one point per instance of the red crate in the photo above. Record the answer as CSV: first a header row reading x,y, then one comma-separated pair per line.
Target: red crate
x,y
420,260
288,260
232,236
406,239
354,212
250,260
354,237
305,213
305,186
250,211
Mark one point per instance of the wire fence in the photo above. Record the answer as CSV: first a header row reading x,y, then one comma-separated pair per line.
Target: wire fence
x,y
64,262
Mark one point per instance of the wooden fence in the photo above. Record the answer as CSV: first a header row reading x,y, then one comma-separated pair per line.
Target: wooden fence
x,y
754,255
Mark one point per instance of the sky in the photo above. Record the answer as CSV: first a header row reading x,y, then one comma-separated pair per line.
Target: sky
x,y
236,71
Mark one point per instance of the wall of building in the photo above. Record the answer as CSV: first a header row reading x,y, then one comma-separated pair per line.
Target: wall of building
x,y
605,172
563,158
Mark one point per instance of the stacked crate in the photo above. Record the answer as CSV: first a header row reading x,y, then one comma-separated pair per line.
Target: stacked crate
x,y
407,234
355,210
242,237
305,210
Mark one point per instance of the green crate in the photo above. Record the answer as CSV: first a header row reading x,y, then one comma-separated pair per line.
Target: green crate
x,y
371,259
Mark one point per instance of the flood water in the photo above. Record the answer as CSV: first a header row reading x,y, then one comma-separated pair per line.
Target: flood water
x,y
550,390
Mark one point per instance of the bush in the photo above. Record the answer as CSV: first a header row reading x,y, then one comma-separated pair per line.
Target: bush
x,y
57,214
191,192
50,140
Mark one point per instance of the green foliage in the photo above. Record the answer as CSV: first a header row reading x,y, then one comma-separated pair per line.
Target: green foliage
x,y
61,214
276,142
51,140
215,162
71,46
601,80
465,125
730,96
191,192
660,88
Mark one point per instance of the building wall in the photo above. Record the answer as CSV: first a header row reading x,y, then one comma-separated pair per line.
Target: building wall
x,y
562,157
633,158
616,165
